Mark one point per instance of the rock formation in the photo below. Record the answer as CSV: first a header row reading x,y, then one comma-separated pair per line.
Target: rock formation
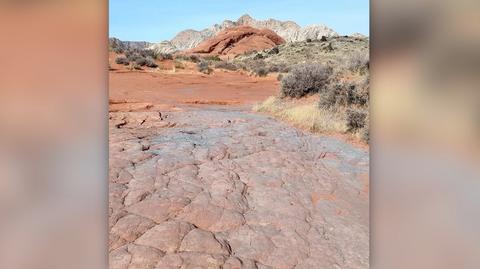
x,y
164,47
238,40
117,43
288,30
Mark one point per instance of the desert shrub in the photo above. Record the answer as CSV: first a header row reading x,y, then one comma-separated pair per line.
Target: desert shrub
x,y
150,62
165,56
357,61
118,50
149,53
261,71
134,66
274,50
364,133
212,58
204,67
179,64
280,77
194,58
226,65
346,94
304,79
122,60
191,58
356,119
280,68
141,61
258,56
273,69
133,56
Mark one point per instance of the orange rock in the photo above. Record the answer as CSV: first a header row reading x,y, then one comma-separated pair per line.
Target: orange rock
x,y
238,40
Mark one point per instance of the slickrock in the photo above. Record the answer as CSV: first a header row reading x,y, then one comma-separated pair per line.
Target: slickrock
x,y
226,188
239,40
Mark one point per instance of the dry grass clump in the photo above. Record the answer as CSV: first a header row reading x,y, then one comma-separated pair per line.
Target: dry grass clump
x,y
178,64
343,91
306,116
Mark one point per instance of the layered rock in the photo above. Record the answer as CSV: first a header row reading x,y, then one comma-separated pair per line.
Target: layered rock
x,y
288,30
164,47
239,40
117,43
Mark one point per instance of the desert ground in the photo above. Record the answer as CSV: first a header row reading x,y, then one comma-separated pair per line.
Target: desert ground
x,y
199,180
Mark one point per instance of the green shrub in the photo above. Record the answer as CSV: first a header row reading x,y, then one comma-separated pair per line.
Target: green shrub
x,y
305,79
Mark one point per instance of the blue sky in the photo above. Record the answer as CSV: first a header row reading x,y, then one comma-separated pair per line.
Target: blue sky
x,y
150,20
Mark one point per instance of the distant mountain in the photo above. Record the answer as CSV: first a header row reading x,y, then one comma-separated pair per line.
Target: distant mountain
x,y
288,30
117,43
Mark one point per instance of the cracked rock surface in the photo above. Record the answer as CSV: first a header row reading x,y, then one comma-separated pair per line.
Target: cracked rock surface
x,y
215,188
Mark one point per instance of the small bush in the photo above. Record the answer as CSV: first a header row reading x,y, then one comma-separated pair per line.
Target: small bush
x,y
149,53
274,50
357,61
165,56
179,64
356,119
122,60
280,68
204,67
304,79
258,56
135,66
118,50
261,71
226,65
194,58
141,61
150,62
280,77
212,58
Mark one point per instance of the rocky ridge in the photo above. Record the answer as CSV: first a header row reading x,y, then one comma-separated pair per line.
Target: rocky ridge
x,y
288,30
117,43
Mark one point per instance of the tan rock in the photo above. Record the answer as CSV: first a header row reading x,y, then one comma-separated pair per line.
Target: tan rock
x,y
202,241
166,236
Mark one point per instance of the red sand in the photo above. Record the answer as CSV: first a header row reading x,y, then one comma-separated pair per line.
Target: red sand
x,y
189,87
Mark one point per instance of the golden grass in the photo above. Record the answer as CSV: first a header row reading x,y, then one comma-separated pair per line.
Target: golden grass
x,y
307,116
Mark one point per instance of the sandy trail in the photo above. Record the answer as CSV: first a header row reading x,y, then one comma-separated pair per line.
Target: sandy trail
x,y
202,186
